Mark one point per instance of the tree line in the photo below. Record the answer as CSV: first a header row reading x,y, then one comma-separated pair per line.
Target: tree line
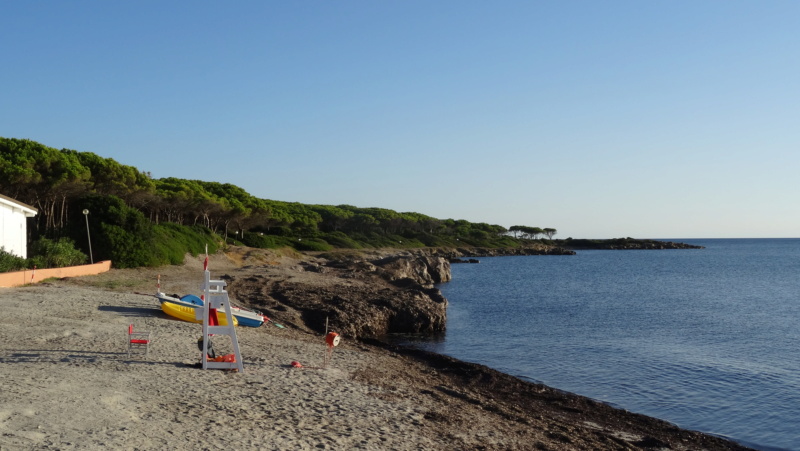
x,y
61,183
532,233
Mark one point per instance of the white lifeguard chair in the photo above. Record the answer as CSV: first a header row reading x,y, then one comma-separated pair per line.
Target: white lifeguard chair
x,y
216,298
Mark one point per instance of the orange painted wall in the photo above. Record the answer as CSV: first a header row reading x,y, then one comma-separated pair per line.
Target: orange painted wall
x,y
17,278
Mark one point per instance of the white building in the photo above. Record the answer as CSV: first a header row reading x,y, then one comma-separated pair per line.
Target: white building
x,y
13,227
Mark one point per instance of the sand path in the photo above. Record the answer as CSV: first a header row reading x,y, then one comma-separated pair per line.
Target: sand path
x,y
68,383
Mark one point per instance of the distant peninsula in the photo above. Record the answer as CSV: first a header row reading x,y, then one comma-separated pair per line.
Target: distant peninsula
x,y
559,247
622,244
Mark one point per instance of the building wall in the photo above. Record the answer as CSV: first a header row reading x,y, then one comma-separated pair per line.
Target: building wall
x,y
13,227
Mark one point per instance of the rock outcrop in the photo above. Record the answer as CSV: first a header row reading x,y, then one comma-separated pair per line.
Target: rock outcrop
x,y
358,298
457,253
424,270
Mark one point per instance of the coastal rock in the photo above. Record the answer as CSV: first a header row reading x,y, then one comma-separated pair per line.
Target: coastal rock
x,y
357,298
424,270
438,268
502,252
458,260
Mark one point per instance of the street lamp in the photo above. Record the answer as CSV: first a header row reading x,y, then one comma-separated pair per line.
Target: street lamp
x,y
86,215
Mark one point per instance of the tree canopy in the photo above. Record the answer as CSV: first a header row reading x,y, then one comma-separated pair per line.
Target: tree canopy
x,y
126,203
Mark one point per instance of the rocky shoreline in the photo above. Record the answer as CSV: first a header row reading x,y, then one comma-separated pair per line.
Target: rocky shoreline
x,y
381,292
364,295
359,297
376,294
398,296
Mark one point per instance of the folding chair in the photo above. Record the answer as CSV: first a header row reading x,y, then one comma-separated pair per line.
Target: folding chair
x,y
137,340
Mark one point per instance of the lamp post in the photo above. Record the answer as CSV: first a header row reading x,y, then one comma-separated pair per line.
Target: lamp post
x,y
86,215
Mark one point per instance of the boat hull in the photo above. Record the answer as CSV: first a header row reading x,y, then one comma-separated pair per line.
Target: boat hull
x,y
185,313
249,319
244,317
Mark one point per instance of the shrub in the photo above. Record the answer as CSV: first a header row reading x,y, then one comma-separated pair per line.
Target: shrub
x,y
311,244
47,253
266,241
123,235
341,240
119,233
125,249
10,262
171,242
433,240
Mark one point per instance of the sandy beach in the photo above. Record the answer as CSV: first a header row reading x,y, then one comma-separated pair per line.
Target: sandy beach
x,y
67,383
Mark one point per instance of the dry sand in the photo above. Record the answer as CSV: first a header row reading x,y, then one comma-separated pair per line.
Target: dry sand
x,y
67,383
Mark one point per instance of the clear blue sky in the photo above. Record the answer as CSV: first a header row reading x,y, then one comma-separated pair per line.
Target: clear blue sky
x,y
602,119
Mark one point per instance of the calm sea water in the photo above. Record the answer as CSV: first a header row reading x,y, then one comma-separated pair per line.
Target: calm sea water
x,y
707,339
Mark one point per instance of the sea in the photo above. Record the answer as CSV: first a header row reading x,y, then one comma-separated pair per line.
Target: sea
x,y
707,339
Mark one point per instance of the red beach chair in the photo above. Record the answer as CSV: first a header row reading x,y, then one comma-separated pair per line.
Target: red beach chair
x,y
138,340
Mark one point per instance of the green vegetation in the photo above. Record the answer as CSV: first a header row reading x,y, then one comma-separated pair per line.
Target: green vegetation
x,y
10,262
531,233
46,253
135,220
56,254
